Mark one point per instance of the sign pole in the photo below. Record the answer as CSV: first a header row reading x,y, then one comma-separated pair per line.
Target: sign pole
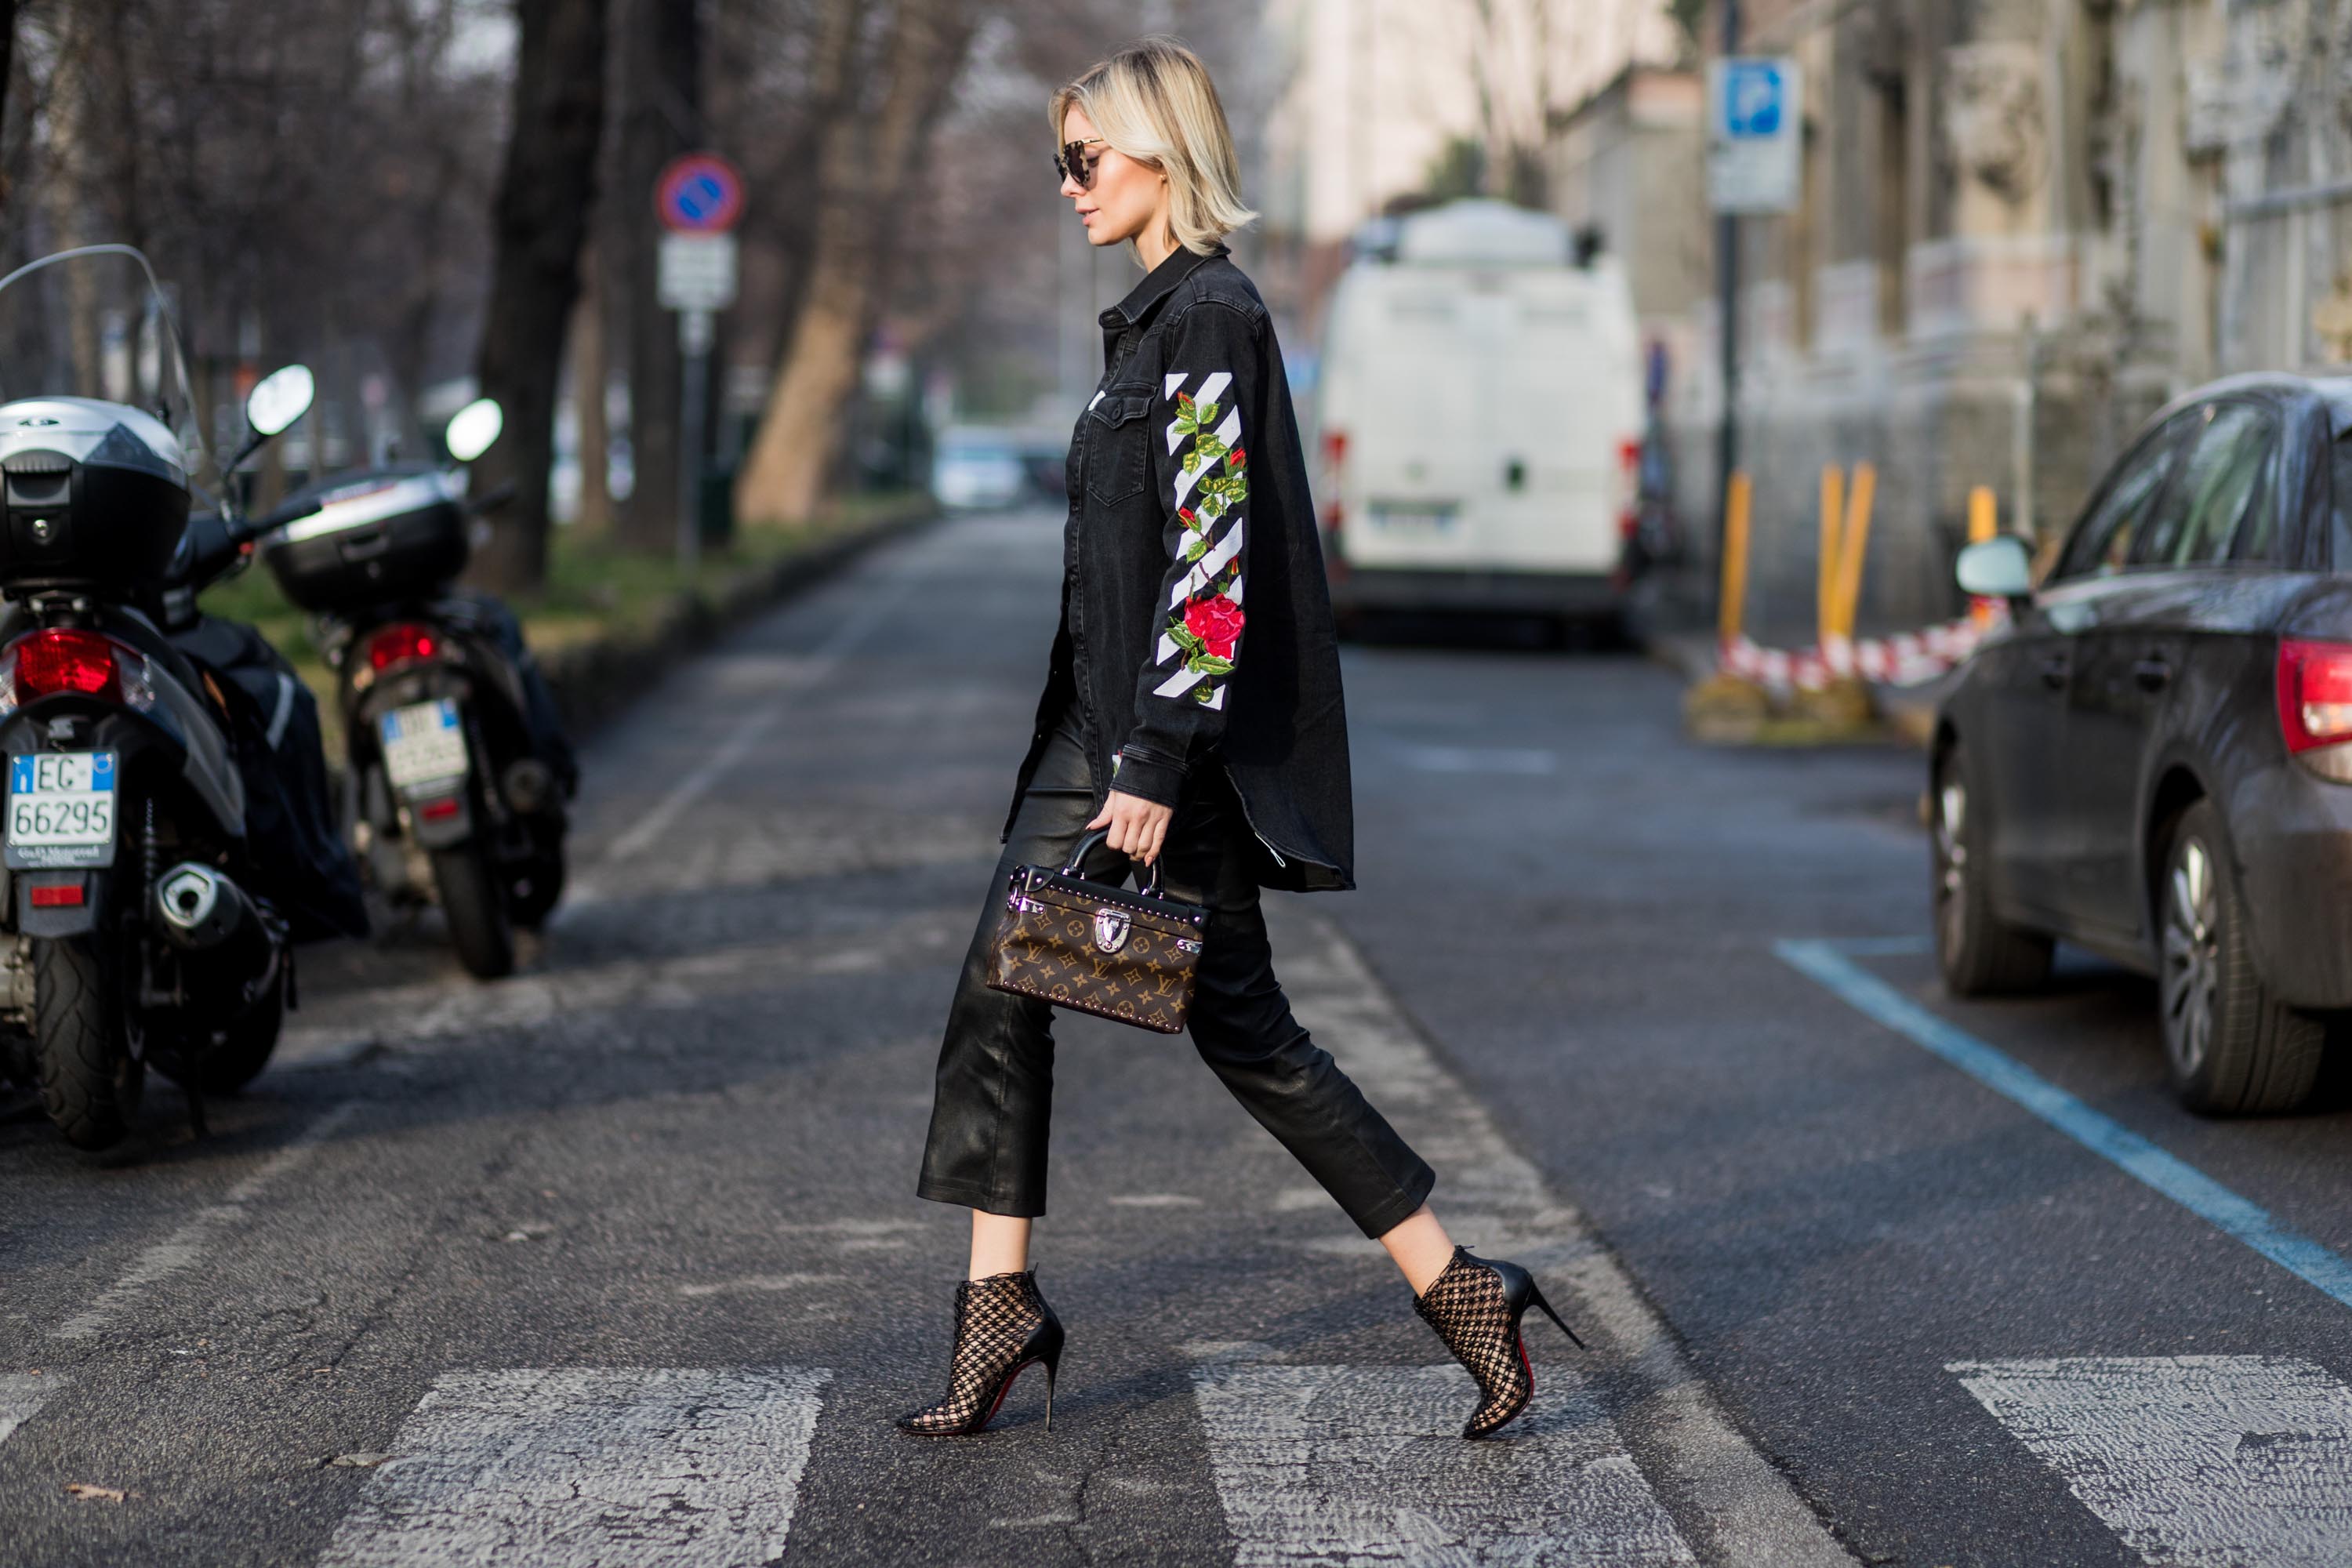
x,y
694,333
698,197
1726,254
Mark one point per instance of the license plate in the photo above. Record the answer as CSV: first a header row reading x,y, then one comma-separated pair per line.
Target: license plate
x,y
62,808
423,743
1413,518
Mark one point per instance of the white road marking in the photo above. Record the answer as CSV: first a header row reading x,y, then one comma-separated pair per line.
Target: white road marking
x,y
799,675
21,1394
577,1467
761,1282
1367,1464
1734,1506
2195,1461
185,1245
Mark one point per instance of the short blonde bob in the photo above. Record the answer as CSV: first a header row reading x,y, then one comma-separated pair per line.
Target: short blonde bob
x,y
1153,101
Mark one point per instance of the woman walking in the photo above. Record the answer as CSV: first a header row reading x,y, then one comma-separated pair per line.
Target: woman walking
x,y
1193,721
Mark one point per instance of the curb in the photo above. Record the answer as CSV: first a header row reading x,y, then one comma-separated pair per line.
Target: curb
x,y
595,680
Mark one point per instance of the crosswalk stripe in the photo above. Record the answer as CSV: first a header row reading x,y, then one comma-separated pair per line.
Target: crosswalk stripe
x,y
21,1394
1367,1465
689,1467
2194,1461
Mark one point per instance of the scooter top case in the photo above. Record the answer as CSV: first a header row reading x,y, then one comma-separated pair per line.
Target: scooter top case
x,y
388,533
95,494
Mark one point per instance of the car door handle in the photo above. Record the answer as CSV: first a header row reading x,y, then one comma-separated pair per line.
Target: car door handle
x,y
2153,673
2055,667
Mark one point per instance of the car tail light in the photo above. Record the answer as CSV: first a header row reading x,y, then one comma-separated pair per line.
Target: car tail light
x,y
66,659
399,644
2314,693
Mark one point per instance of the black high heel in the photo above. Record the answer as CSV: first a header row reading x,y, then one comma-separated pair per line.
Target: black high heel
x,y
1475,1307
1004,1327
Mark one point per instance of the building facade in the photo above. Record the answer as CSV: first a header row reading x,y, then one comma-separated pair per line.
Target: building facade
x,y
2024,224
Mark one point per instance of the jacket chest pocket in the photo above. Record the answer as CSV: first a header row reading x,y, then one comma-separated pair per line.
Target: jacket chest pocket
x,y
1118,436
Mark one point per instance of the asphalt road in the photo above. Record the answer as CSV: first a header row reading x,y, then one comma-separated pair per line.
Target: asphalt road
x,y
617,1261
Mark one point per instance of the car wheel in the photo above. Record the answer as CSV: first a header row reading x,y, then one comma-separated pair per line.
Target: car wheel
x,y
2230,1047
1979,953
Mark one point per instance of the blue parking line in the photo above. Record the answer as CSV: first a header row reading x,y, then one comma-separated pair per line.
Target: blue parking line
x,y
1830,963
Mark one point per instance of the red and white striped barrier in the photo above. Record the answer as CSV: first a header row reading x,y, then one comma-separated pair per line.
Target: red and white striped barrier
x,y
1906,658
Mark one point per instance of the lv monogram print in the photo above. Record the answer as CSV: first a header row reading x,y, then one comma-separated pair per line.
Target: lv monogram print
x,y
1049,944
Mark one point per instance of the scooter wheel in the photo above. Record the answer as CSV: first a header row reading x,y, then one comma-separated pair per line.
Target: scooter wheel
x,y
476,909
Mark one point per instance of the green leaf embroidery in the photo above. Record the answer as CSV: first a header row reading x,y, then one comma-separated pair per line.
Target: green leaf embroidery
x,y
1195,550
1202,694
1204,415
1210,664
1183,639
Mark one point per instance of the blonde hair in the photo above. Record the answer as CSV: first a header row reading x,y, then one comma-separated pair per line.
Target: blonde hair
x,y
1154,102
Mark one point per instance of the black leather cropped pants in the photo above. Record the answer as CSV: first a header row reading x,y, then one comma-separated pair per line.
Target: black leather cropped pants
x,y
994,1097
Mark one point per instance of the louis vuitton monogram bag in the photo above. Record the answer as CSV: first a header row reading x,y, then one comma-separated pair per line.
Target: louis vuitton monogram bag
x,y
1120,954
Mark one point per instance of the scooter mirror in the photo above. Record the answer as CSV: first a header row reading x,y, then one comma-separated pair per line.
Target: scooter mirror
x,y
473,429
280,398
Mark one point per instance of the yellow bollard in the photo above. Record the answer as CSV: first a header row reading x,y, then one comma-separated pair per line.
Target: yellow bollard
x,y
1825,588
1983,522
1736,501
1724,708
1853,541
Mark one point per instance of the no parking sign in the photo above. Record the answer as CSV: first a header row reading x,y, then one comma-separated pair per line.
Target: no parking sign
x,y
699,193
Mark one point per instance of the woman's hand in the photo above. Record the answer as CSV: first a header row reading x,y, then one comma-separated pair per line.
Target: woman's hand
x,y
1137,825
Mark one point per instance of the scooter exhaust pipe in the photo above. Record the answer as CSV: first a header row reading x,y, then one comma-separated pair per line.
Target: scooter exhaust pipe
x,y
198,909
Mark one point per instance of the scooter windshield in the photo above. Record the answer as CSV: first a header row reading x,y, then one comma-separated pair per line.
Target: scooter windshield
x,y
94,322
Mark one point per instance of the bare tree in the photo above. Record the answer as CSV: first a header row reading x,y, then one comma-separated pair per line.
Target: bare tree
x,y
867,164
542,220
660,117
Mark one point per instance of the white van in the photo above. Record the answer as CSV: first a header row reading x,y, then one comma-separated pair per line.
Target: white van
x,y
1480,409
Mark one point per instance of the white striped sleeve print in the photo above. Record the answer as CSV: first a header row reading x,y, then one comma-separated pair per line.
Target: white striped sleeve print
x,y
1200,645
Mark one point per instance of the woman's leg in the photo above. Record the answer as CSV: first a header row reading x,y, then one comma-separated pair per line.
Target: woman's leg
x,y
1242,1025
993,1098
999,1244
1419,1247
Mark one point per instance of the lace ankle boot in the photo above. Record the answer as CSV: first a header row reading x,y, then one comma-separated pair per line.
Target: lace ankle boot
x,y
1003,1326
1475,1307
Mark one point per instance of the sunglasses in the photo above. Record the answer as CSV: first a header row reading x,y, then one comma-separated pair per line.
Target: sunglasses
x,y
1072,162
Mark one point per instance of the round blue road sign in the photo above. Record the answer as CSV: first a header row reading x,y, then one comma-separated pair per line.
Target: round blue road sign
x,y
699,193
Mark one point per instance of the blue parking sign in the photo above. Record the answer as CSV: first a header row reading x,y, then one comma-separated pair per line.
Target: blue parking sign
x,y
1754,98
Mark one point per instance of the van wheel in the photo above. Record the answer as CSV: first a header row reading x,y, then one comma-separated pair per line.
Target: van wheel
x,y
2231,1048
476,909
1980,954
90,1083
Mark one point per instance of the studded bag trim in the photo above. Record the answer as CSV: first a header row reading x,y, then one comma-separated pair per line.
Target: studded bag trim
x,y
1120,954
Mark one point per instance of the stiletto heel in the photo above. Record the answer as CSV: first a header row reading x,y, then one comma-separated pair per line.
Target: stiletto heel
x,y
1476,1306
1537,1296
1003,1328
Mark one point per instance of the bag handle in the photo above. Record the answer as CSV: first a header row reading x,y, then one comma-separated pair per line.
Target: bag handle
x,y
1150,889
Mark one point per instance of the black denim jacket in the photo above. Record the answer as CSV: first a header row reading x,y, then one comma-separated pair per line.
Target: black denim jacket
x,y
1196,627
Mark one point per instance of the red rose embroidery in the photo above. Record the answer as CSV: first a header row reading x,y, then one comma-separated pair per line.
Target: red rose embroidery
x,y
1235,458
1217,622
1185,512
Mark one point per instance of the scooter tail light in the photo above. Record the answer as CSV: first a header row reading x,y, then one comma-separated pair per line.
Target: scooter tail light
x,y
401,643
2314,693
67,659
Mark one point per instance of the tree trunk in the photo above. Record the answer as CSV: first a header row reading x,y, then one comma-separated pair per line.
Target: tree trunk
x,y
661,116
865,166
589,375
545,195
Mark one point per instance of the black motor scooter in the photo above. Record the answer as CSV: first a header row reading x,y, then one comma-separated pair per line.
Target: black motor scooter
x,y
140,923
458,765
